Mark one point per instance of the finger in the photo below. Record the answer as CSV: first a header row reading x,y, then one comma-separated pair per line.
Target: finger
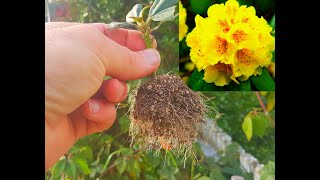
x,y
129,38
54,25
111,89
100,113
114,90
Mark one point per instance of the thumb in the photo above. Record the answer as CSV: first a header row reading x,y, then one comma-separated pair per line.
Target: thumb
x,y
125,64
119,61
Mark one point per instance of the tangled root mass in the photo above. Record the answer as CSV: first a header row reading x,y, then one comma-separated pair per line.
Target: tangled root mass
x,y
166,112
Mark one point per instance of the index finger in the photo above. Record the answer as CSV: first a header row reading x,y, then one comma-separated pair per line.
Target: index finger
x,y
129,38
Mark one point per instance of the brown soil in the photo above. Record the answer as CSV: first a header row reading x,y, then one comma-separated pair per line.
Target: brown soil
x,y
166,112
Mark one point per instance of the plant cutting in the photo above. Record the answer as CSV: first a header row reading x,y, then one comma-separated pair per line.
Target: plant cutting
x,y
165,113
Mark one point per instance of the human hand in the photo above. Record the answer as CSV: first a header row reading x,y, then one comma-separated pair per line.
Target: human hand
x,y
78,101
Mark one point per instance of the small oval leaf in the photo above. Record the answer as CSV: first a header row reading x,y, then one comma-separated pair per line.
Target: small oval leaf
x,y
134,12
247,126
114,25
164,15
160,5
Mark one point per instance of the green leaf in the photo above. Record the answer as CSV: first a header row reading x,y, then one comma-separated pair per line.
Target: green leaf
x,y
270,100
58,168
260,122
247,126
162,10
263,5
109,158
134,12
84,152
255,123
216,174
126,151
165,15
268,171
81,164
264,81
273,22
204,178
200,7
196,81
121,165
124,123
243,86
70,170
114,25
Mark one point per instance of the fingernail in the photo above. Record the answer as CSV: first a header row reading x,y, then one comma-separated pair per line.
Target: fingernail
x,y
94,106
152,56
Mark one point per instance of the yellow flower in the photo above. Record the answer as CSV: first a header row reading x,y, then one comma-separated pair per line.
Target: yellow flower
x,y
183,28
231,36
220,74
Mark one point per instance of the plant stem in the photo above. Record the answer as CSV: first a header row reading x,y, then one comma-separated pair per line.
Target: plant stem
x,y
261,103
148,42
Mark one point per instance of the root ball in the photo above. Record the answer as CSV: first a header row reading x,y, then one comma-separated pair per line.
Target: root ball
x,y
166,113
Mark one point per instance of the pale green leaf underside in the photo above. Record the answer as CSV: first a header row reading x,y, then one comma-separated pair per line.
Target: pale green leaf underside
x,y
134,12
165,15
114,25
160,5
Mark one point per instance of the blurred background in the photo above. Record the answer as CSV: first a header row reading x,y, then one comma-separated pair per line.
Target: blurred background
x,y
223,154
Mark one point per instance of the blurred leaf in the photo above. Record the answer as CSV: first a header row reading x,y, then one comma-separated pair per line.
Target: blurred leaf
x,y
204,178
260,122
121,165
137,168
58,168
273,56
126,151
85,152
245,2
167,172
200,7
165,15
114,25
264,81
134,12
247,126
255,123
109,158
270,101
81,164
124,123
243,86
196,81
263,5
164,7
70,170
216,175
273,22
268,171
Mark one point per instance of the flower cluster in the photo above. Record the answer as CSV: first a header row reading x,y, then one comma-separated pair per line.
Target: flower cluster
x,y
183,28
232,43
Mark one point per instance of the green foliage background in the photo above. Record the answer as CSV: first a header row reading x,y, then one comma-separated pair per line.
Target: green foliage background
x,y
108,155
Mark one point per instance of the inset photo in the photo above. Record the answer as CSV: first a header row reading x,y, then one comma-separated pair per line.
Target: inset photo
x,y
227,45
